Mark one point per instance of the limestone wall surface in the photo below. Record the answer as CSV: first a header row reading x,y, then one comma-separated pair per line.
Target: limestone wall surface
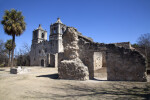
x,y
125,64
71,67
97,58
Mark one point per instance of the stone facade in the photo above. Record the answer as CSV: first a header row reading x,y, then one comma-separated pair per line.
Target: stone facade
x,y
44,52
77,56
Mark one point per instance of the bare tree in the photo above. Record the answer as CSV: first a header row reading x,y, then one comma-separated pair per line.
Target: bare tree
x,y
23,58
144,42
3,54
26,48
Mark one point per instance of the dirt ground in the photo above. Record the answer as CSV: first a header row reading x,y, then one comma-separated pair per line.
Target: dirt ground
x,y
42,84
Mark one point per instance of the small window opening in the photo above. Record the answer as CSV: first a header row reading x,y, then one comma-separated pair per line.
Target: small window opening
x,y
54,30
42,35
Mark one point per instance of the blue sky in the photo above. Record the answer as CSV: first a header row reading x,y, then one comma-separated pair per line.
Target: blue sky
x,y
106,21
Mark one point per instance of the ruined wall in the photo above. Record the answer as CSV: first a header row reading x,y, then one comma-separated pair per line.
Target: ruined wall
x,y
126,45
71,67
86,54
125,64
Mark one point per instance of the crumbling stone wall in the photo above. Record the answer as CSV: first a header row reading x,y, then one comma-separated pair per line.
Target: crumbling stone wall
x,y
86,53
125,64
71,67
126,45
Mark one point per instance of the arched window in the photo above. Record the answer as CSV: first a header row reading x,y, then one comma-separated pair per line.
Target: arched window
x,y
42,35
54,30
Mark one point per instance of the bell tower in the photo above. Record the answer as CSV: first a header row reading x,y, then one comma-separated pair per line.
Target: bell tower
x,y
39,35
56,31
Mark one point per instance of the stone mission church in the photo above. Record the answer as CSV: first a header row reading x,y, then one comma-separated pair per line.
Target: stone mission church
x,y
44,52
80,57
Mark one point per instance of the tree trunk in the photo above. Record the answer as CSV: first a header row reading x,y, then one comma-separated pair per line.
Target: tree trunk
x,y
9,59
12,53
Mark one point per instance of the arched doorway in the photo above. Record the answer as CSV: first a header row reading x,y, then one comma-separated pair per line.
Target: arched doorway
x,y
42,62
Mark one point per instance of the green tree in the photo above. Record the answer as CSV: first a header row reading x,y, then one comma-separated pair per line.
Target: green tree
x,y
9,47
14,25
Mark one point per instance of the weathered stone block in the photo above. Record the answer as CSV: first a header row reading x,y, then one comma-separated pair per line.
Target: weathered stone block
x,y
73,69
19,70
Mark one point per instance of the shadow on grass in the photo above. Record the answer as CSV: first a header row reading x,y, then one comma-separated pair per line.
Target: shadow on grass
x,y
52,76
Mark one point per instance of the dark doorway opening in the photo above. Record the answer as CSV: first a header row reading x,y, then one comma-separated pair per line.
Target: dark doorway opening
x,y
42,62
